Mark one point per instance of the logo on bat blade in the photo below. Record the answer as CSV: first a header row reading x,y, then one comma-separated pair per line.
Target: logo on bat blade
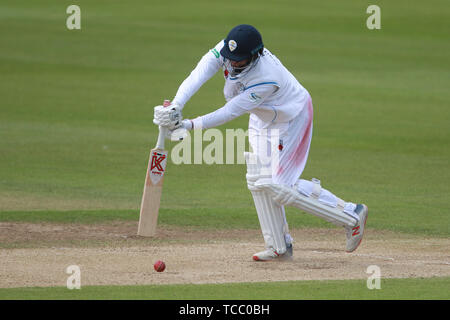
x,y
157,159
157,166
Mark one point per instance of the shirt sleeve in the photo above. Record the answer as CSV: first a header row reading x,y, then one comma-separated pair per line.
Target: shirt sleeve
x,y
244,102
209,64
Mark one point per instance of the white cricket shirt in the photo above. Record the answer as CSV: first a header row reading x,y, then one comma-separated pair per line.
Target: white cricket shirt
x,y
268,90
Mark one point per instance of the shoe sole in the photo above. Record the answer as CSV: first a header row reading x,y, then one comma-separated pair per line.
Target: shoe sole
x,y
279,258
364,229
256,258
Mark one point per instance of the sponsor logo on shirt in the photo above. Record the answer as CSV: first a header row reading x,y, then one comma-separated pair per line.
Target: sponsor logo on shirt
x,y
254,97
216,53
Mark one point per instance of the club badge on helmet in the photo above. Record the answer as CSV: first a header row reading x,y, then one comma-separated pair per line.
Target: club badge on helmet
x,y
243,42
232,45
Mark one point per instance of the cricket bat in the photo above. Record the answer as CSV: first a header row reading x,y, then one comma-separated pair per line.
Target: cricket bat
x,y
151,197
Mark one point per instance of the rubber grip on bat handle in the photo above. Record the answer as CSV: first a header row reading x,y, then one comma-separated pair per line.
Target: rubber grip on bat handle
x,y
161,137
162,130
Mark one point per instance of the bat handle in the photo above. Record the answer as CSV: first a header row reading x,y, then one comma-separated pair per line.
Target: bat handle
x,y
162,131
161,137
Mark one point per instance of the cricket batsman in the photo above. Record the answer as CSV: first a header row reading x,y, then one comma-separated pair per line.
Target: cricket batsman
x,y
280,131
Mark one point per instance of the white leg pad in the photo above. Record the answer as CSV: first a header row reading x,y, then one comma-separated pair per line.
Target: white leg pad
x,y
271,214
310,197
271,219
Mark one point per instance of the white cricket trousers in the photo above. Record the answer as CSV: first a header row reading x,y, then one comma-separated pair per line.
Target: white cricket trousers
x,y
282,149
284,146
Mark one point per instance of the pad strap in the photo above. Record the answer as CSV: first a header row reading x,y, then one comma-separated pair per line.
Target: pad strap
x,y
317,189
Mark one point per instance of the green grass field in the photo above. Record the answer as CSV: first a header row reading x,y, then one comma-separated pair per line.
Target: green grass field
x,y
76,111
390,289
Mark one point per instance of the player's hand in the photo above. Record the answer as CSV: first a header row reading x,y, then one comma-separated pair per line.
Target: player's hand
x,y
177,134
181,132
169,117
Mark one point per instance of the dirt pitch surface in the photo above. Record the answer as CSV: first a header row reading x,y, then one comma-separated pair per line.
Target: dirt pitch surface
x,y
111,254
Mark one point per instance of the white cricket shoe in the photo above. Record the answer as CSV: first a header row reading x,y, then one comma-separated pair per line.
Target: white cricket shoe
x,y
355,234
272,254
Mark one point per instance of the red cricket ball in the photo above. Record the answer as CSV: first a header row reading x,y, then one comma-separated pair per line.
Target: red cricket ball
x,y
159,266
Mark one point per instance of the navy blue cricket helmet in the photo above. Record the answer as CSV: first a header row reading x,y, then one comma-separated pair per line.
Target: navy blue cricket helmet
x,y
242,42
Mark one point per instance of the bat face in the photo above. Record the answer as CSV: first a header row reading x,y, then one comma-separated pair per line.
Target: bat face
x,y
151,197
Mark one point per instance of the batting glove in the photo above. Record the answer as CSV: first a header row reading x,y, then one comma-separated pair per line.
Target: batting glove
x,y
181,132
169,117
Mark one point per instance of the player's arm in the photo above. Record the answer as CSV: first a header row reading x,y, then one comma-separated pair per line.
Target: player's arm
x,y
244,102
208,66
